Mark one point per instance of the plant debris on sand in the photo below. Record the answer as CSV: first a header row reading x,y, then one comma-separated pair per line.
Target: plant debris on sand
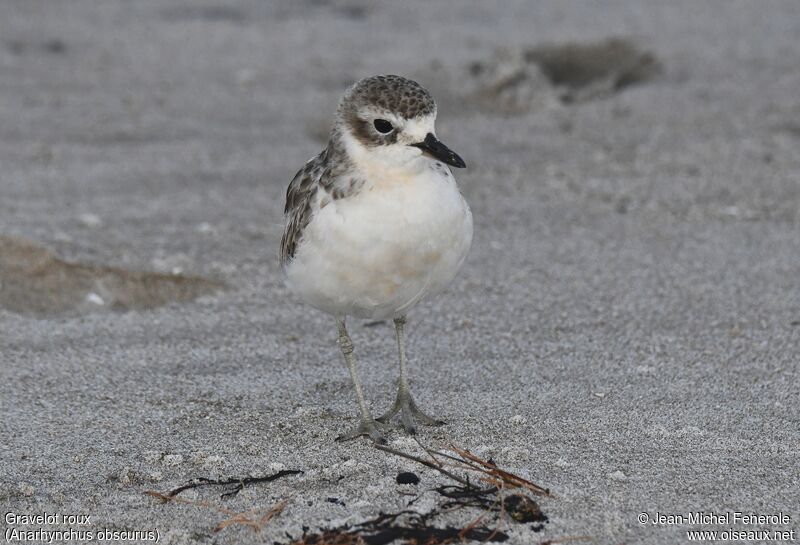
x,y
256,518
384,529
493,498
238,483
507,497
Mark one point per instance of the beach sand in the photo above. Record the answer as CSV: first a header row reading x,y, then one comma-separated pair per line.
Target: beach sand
x,y
625,331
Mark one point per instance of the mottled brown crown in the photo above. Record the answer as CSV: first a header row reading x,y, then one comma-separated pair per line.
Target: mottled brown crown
x,y
396,94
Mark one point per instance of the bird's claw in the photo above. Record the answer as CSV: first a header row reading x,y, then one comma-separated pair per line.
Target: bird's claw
x,y
409,414
372,429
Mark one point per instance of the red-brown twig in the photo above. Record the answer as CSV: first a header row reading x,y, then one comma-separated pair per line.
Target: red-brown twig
x,y
245,518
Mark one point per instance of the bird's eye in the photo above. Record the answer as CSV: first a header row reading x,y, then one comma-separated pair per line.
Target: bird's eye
x,y
383,126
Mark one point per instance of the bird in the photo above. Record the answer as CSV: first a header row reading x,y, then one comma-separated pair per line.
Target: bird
x,y
375,223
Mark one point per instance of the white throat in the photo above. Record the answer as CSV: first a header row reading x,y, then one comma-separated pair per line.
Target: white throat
x,y
395,160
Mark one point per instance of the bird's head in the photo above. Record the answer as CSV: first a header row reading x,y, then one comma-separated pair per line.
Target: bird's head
x,y
388,122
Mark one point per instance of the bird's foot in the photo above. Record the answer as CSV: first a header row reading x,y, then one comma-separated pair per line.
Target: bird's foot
x,y
409,413
373,429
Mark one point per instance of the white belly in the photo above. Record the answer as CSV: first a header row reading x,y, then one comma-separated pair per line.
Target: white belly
x,y
376,254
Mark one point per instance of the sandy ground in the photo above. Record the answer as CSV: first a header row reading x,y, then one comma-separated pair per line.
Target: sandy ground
x,y
626,331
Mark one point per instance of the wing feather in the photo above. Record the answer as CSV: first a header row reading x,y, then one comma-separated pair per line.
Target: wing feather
x,y
299,198
325,172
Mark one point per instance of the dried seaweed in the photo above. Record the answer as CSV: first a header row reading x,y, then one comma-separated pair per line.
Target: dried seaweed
x,y
238,482
508,498
247,518
385,529
498,497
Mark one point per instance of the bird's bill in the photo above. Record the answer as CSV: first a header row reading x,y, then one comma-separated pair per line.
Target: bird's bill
x,y
433,147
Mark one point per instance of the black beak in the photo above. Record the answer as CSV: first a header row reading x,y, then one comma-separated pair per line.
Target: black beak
x,y
435,148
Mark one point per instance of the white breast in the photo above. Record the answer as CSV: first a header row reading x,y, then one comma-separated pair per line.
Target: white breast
x,y
376,254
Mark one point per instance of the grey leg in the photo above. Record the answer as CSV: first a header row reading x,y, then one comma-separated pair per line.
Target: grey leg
x,y
368,426
404,403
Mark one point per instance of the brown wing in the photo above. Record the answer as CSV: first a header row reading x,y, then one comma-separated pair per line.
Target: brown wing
x,y
299,197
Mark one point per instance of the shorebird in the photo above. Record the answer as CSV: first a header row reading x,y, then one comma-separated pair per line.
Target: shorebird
x,y
375,223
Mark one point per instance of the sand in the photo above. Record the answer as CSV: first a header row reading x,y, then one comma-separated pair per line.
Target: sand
x,y
625,331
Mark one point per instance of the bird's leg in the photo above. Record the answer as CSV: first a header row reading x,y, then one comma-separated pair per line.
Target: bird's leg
x,y
368,426
404,403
